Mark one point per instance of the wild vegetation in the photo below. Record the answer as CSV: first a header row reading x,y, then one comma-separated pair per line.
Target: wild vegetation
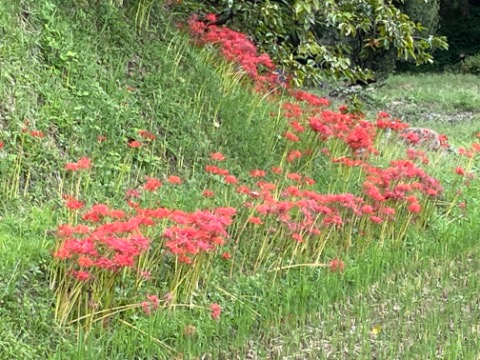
x,y
167,195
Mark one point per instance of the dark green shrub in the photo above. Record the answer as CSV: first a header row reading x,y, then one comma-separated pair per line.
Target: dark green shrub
x,y
471,65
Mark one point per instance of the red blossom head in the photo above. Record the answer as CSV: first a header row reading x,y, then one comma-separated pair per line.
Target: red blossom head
x,y
336,265
147,135
217,156
215,311
134,143
152,184
37,134
257,173
174,180
208,193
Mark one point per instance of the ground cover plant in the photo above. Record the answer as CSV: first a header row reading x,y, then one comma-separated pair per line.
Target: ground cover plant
x,y
200,210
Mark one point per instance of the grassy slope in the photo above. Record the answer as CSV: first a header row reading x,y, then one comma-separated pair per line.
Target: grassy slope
x,y
173,91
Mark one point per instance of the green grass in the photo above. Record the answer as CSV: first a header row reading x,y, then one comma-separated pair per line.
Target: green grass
x,y
77,71
448,103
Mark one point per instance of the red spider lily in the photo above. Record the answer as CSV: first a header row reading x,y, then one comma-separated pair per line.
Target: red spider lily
x,y
37,134
215,311
367,209
383,115
414,154
1,145
293,155
134,144
266,186
243,189
394,125
257,173
81,275
292,110
217,156
310,98
73,204
309,181
297,126
376,219
154,300
96,213
146,307
389,211
152,184
223,172
208,193
201,231
146,275
117,214
83,164
336,265
292,191
276,169
459,171
147,135
132,193
361,137
226,256
443,141
151,304
291,137
211,18
414,207
255,220
235,47
320,127
225,211
174,180
85,261
158,213
101,138
216,170
347,161
297,237
231,179
411,137
294,176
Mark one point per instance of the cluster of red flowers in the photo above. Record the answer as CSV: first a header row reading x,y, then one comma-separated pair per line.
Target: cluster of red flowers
x,y
111,239
150,304
83,164
114,243
32,132
198,232
216,310
235,47
402,182
114,240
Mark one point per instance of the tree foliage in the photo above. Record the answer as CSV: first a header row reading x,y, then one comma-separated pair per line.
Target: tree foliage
x,y
317,38
314,39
